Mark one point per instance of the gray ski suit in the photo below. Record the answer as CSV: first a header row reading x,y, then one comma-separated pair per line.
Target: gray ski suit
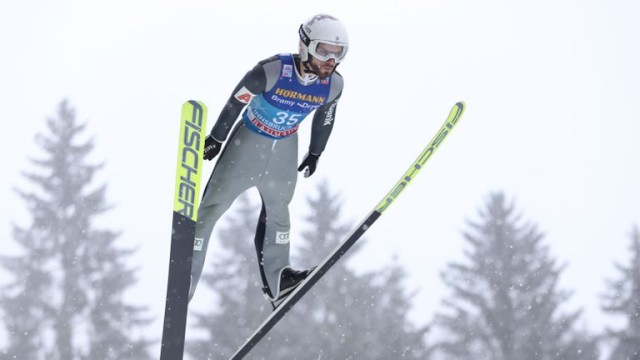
x,y
262,152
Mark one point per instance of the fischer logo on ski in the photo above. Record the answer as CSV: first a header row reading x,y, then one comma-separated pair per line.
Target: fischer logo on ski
x,y
185,212
190,160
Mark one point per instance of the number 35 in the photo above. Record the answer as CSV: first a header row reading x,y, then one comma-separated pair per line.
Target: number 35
x,y
286,117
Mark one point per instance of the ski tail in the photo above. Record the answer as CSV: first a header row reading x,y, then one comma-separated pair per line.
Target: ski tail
x,y
185,212
451,121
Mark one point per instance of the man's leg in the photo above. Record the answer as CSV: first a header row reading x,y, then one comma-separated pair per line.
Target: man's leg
x,y
272,235
239,167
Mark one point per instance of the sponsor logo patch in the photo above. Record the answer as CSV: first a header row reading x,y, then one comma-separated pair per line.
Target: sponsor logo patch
x,y
197,244
287,70
329,117
290,94
244,95
282,237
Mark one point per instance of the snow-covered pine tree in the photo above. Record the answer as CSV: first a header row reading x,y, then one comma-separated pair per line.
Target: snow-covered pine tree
x,y
623,300
65,300
505,302
348,315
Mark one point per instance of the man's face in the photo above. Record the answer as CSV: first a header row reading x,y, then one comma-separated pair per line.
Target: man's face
x,y
324,69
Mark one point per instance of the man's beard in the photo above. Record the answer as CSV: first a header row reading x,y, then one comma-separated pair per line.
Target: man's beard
x,y
318,71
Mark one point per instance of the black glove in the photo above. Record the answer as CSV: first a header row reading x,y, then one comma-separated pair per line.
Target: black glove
x,y
310,162
211,147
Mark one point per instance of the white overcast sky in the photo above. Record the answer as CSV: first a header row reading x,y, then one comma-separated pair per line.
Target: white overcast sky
x,y
551,89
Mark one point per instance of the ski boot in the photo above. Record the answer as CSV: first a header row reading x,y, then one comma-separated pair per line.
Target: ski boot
x,y
289,281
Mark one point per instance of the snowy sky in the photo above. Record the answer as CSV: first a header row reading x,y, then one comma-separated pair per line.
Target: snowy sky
x,y
550,88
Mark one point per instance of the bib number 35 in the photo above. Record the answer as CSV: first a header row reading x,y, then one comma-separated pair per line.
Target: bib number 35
x,y
287,118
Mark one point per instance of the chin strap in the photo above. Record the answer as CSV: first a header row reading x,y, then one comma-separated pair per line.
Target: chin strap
x,y
307,67
309,75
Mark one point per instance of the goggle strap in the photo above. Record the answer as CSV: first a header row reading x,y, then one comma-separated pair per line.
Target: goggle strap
x,y
303,36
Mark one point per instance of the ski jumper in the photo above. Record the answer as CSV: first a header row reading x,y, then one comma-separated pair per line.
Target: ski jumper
x,y
262,152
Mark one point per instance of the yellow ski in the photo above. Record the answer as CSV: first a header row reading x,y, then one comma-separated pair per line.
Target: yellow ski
x,y
185,213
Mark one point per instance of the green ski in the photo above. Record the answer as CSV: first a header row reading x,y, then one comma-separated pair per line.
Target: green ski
x,y
342,248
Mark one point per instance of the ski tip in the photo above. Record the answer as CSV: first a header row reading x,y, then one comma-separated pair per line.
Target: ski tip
x,y
196,104
456,111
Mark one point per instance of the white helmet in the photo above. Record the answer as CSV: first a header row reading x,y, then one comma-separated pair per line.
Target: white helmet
x,y
323,29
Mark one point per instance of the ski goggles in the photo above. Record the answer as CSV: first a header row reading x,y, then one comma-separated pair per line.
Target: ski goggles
x,y
324,51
